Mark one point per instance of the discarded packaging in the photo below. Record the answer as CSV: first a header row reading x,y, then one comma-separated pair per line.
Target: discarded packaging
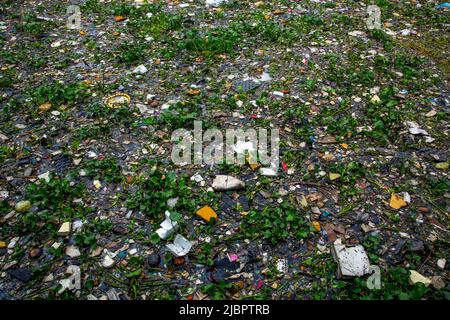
x,y
352,261
206,213
180,246
168,227
225,183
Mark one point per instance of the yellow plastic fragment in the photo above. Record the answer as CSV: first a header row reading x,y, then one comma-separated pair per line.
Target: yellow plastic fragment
x,y
334,176
316,225
396,201
206,213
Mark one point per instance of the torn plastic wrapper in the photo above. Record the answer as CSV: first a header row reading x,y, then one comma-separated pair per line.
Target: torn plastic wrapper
x,y
168,227
73,282
352,261
180,246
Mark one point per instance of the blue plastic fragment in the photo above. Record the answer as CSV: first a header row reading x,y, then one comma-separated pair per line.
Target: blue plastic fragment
x,y
444,5
325,214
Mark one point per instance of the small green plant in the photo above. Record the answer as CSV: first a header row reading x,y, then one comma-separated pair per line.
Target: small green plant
x,y
217,291
34,26
217,41
179,115
155,190
107,169
276,223
131,53
59,93
395,284
55,196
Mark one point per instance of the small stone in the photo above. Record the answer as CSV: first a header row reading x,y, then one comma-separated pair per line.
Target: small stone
x,y
65,228
21,274
13,242
416,277
140,69
224,183
416,245
441,263
96,252
45,176
35,253
107,261
97,184
72,251
327,140
178,261
423,209
23,206
120,229
172,202
49,278
437,282
334,176
153,260
430,114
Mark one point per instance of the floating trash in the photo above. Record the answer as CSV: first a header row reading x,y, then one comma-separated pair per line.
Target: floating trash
x,y
117,100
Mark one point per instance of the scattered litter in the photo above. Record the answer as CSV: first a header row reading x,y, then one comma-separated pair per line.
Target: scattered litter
x,y
65,229
168,227
352,261
226,183
140,69
72,252
416,277
73,282
443,6
282,266
22,206
118,100
206,213
397,202
180,247
215,3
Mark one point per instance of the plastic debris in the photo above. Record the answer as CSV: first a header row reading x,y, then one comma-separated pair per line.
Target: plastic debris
x,y
117,100
168,227
65,229
140,69
72,252
352,261
282,266
73,282
180,246
215,3
232,257
443,6
334,176
206,213
397,202
22,206
416,277
225,183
